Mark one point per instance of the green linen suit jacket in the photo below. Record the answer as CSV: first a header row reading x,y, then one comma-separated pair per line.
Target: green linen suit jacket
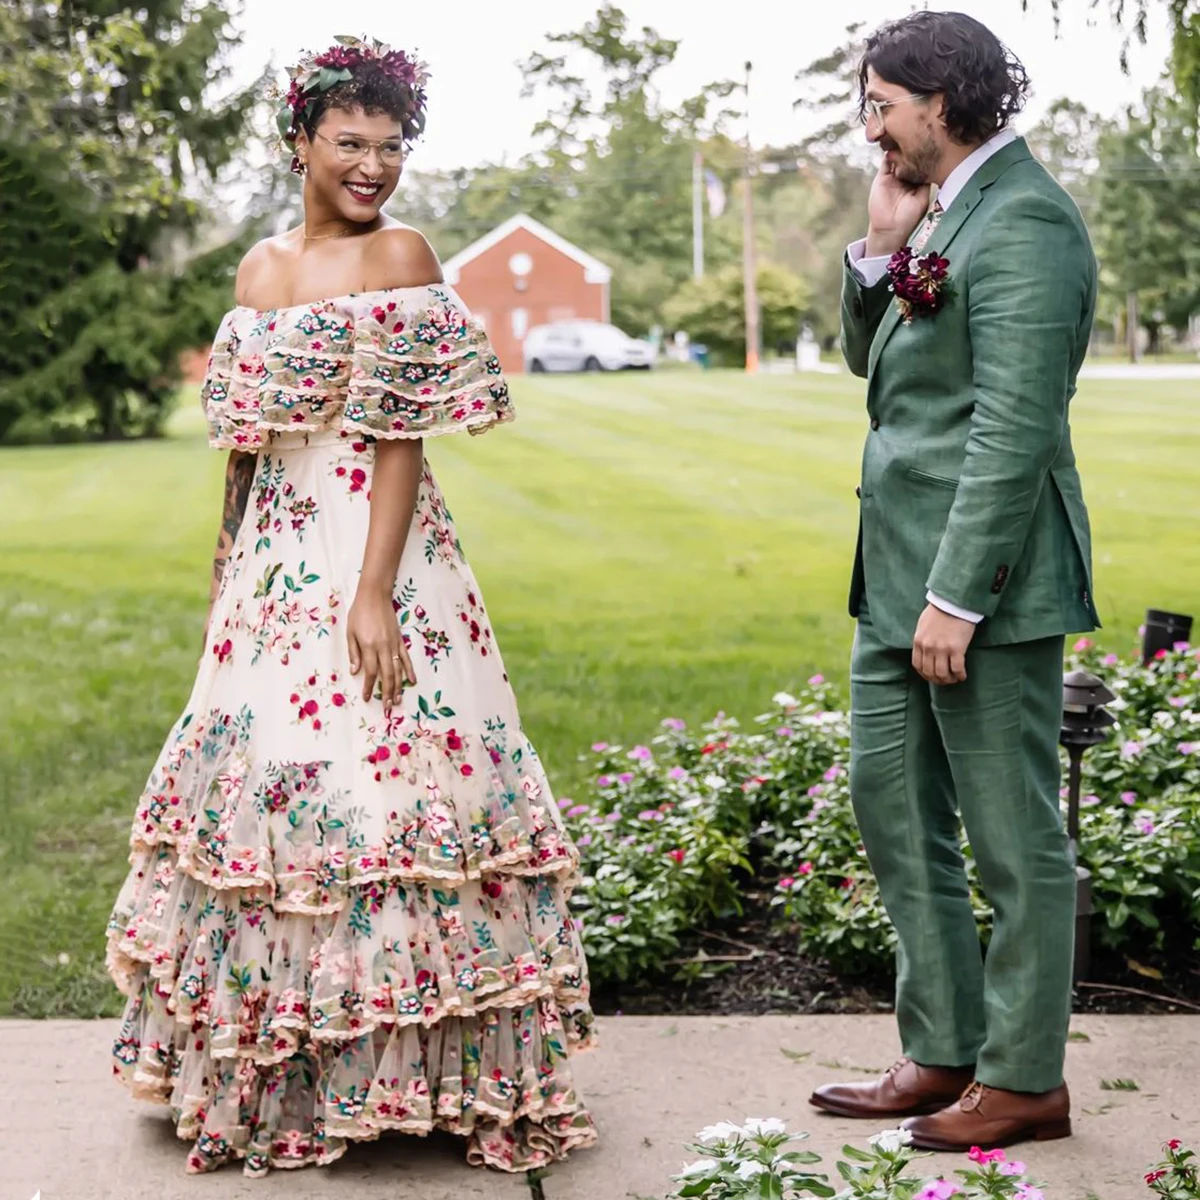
x,y
969,487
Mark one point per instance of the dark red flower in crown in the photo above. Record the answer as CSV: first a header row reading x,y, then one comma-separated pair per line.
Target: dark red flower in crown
x,y
317,73
921,285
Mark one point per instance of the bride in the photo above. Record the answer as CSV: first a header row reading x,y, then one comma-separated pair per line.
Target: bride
x,y
346,907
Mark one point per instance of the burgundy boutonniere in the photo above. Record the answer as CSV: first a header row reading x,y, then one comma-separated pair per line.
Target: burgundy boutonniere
x,y
921,285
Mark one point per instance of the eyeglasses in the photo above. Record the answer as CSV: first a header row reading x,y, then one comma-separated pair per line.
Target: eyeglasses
x,y
354,149
878,108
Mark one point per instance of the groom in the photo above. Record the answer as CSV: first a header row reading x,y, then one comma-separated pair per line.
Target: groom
x,y
973,562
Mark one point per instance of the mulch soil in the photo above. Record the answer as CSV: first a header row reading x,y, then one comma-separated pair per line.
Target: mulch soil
x,y
750,966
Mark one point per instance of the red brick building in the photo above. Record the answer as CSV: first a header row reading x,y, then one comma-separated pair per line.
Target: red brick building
x,y
523,274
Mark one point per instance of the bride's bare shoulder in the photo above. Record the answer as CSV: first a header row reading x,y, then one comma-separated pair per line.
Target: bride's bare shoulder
x,y
401,256
262,261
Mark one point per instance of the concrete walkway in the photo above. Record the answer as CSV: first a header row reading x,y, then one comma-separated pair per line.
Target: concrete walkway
x,y
67,1130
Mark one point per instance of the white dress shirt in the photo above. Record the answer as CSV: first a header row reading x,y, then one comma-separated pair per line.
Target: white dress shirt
x,y
869,271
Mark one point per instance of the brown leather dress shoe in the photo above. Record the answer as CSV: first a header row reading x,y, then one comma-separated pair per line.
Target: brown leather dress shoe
x,y
992,1118
907,1089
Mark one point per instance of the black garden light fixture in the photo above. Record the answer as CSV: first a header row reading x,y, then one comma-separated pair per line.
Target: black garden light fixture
x,y
1086,722
1164,631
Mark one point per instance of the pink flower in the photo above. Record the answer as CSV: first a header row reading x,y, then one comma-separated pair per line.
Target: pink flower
x,y
833,773
1177,701
1154,1176
1187,747
603,782
1013,1168
786,884
939,1189
1084,644
1026,1191
1144,825
586,840
641,753
675,723
1090,800
783,731
625,777
1129,797
677,855
806,868
676,773
1174,1144
1110,660
816,681
577,810
599,747
983,1157
615,919
1131,750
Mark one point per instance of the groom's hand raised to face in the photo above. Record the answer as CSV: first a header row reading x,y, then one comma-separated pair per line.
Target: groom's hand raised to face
x,y
894,210
940,646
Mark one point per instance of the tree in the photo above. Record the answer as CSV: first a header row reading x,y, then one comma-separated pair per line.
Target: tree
x,y
114,133
712,310
1147,216
1133,15
1067,143
624,159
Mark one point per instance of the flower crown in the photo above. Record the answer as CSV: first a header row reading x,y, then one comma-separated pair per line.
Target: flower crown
x,y
317,73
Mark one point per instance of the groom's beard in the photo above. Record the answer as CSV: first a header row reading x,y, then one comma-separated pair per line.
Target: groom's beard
x,y
917,163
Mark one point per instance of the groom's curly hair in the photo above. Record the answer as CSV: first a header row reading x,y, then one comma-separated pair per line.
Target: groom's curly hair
x,y
983,82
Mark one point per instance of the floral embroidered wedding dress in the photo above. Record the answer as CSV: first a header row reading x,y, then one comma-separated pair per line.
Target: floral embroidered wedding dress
x,y
335,923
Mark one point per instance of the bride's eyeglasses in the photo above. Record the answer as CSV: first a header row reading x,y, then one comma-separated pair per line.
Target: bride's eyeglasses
x,y
351,149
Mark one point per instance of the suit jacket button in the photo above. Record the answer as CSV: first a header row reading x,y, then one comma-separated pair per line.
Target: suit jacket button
x,y
858,493
856,306
875,423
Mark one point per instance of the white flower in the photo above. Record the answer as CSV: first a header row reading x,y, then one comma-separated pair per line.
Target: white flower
x,y
749,1170
714,781
891,1140
701,1166
784,700
764,1126
723,1131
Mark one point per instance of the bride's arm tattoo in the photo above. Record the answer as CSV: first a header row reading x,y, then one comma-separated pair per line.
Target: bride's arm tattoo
x,y
239,474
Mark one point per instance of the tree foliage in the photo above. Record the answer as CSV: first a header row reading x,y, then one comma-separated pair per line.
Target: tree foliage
x,y
712,311
1147,223
1133,17
114,133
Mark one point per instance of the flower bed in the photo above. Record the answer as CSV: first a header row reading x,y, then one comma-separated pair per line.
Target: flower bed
x,y
740,1162
676,832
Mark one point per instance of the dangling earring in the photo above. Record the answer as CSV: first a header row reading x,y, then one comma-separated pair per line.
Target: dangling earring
x,y
299,166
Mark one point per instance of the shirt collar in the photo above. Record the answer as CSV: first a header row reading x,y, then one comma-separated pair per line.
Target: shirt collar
x,y
959,177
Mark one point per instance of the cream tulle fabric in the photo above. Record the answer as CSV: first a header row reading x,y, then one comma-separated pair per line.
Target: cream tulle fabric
x,y
336,923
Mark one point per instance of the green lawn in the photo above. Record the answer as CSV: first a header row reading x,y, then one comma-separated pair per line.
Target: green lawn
x,y
650,545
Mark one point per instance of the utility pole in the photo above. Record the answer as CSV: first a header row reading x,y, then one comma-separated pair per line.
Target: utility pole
x,y
749,264
698,216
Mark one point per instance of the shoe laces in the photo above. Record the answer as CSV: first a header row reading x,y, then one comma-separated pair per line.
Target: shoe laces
x,y
897,1065
972,1098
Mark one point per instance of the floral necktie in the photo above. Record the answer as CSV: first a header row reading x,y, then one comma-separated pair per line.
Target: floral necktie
x,y
924,233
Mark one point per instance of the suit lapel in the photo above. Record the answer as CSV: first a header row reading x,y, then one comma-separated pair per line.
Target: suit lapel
x,y
944,232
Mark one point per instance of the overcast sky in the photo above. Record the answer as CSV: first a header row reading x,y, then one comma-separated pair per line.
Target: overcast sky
x,y
473,46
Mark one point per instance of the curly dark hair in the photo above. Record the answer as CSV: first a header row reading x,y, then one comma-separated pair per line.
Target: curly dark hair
x,y
983,82
376,92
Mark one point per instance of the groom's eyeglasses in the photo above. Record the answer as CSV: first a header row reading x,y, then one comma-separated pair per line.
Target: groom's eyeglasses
x,y
878,108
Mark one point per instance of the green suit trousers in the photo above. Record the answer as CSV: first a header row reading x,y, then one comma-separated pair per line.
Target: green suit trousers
x,y
985,750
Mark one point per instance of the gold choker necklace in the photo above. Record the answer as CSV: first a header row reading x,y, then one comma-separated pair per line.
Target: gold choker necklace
x,y
320,237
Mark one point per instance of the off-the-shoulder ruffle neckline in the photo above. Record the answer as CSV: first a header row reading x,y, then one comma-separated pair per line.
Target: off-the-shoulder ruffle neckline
x,y
348,296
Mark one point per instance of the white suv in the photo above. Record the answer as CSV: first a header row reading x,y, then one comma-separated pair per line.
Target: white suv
x,y
584,346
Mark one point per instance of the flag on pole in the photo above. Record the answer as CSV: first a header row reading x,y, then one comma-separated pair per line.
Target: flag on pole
x,y
715,190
